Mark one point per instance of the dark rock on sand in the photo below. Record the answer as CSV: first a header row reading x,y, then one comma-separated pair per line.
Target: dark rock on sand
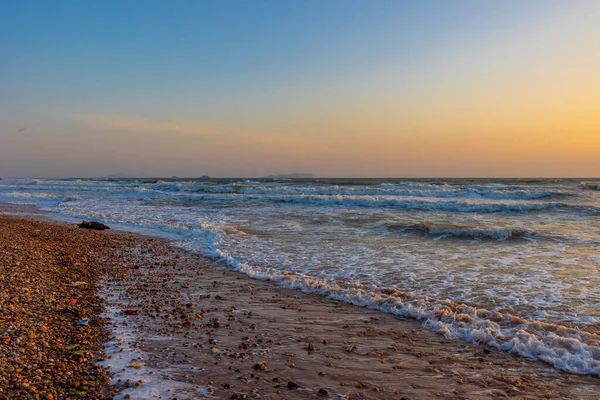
x,y
93,225
260,366
292,385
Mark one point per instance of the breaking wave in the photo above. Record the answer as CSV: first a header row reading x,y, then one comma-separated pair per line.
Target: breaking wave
x,y
463,231
569,349
414,190
376,202
52,196
405,203
591,185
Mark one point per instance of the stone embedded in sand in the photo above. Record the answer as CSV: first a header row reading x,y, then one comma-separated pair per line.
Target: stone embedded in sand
x,y
311,347
292,385
322,392
260,366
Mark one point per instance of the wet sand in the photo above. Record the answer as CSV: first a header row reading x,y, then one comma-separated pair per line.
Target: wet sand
x,y
198,329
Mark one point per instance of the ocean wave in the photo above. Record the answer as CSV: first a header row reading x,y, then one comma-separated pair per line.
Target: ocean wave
x,y
418,204
401,190
591,185
34,195
464,231
162,186
391,202
568,349
420,191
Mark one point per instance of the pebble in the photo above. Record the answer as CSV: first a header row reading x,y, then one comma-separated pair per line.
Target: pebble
x,y
260,366
48,276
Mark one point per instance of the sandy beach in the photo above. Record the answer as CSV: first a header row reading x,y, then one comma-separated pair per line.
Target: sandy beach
x,y
171,324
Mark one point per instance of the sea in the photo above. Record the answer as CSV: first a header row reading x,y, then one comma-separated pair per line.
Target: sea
x,y
511,263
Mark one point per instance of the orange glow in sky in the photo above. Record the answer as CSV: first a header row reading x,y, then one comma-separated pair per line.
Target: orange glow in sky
x,y
435,90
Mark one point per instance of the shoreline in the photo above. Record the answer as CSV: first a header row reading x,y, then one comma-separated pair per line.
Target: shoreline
x,y
201,328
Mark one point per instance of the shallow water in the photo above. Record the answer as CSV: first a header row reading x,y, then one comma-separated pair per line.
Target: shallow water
x,y
526,249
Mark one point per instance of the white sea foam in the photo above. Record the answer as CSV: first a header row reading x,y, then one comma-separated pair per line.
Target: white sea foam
x,y
368,201
43,195
566,348
415,190
126,361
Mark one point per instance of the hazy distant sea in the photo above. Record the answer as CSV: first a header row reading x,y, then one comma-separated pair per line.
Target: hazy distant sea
x,y
506,262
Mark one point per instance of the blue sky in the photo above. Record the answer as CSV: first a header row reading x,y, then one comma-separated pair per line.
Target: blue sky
x,y
266,68
122,51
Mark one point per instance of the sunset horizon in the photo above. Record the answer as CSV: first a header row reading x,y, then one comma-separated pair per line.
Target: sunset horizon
x,y
338,88
298,199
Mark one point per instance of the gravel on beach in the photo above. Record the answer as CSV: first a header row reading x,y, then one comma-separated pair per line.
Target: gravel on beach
x,y
50,332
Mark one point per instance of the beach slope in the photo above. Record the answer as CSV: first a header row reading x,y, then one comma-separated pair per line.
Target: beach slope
x,y
194,324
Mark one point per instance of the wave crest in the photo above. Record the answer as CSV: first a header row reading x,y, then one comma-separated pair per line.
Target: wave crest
x,y
591,185
569,349
463,231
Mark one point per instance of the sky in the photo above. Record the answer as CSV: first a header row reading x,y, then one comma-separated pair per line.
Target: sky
x,y
337,88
